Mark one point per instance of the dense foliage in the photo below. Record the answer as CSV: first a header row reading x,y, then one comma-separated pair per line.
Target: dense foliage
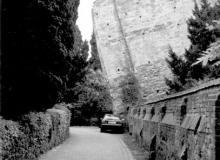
x,y
212,54
93,99
94,61
188,70
36,134
42,54
45,61
179,70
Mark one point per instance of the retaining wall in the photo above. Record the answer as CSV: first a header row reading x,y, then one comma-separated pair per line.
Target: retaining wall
x,y
181,126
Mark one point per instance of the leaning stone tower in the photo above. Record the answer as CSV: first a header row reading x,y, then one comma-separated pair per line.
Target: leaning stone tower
x,y
134,35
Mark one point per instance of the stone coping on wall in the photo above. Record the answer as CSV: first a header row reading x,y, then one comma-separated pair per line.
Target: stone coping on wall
x,y
203,86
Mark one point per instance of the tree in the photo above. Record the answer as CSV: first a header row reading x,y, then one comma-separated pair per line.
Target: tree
x,y
79,67
211,58
199,35
94,60
179,69
201,38
39,56
93,98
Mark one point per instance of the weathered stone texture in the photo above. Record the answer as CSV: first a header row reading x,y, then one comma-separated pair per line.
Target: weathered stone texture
x,y
109,39
134,35
151,79
181,126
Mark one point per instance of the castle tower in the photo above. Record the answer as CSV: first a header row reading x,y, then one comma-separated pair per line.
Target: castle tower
x,y
134,35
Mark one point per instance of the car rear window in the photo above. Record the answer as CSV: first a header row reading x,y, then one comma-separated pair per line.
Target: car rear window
x,y
111,117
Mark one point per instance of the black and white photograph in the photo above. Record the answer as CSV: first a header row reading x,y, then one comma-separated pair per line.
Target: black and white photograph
x,y
109,79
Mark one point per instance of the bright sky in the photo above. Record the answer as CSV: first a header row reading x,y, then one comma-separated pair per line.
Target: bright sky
x,y
85,18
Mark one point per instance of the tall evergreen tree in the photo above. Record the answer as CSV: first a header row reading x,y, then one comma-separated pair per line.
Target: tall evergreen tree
x,y
201,37
94,60
39,54
211,58
179,70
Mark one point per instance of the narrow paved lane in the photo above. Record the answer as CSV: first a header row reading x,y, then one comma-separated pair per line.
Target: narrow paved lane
x,y
87,143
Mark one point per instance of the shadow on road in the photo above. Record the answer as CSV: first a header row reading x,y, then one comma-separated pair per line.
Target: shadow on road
x,y
113,132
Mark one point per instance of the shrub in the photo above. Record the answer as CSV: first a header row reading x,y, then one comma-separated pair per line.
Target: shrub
x,y
34,134
68,114
60,121
13,141
37,126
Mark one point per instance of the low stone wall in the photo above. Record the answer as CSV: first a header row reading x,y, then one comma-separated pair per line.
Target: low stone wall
x,y
36,133
182,126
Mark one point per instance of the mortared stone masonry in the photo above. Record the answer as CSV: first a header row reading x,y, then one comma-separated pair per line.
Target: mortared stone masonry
x,y
134,36
183,126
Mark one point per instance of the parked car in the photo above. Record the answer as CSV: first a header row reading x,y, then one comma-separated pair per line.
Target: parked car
x,y
111,122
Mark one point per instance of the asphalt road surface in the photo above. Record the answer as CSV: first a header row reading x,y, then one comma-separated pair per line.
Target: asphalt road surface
x,y
87,143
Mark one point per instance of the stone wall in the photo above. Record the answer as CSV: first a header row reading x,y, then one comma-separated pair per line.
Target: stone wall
x,y
134,35
182,126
